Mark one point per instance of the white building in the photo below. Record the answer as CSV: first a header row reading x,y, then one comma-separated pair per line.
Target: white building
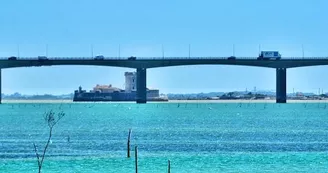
x,y
105,89
130,81
131,85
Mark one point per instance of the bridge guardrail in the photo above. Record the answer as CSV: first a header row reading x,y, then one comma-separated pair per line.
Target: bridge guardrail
x,y
166,58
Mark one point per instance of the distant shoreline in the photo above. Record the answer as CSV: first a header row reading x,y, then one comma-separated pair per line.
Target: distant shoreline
x,y
246,101
37,101
172,101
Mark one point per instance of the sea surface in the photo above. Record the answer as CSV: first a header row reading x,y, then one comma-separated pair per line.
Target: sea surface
x,y
195,137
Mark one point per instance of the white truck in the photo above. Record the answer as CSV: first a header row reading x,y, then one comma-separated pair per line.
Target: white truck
x,y
268,55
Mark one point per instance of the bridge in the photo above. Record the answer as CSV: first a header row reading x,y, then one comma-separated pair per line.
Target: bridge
x,y
141,64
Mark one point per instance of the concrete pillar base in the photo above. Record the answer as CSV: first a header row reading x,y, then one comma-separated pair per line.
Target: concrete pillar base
x,y
141,85
0,86
281,93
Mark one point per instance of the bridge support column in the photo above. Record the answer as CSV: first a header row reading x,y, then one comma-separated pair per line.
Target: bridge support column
x,y
141,85
281,93
0,86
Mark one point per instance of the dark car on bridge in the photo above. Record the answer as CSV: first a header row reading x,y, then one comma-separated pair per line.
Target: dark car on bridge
x,y
42,58
12,58
232,58
99,57
132,58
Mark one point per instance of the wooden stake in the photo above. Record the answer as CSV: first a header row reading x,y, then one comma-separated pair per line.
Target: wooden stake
x,y
136,158
128,152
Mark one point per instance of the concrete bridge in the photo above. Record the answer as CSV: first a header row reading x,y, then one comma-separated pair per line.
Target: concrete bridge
x,y
141,64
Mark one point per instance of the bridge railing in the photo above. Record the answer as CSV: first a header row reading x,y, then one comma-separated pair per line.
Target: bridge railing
x,y
166,58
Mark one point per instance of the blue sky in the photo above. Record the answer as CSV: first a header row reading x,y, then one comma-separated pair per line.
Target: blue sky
x,y
141,27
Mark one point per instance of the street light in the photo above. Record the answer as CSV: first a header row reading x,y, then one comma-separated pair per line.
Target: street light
x,y
46,50
303,51
189,50
17,50
259,48
119,51
91,50
163,51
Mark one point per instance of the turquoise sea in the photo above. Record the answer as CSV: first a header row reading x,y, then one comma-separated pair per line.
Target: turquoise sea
x,y
195,137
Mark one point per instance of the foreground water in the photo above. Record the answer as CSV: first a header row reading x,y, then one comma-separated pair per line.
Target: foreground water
x,y
206,137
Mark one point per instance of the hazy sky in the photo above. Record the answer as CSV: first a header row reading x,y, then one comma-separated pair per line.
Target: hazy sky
x,y
141,27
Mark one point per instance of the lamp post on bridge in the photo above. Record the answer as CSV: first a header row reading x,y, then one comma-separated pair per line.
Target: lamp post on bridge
x,y
91,50
302,51
163,51
119,51
189,50
17,50
259,49
46,50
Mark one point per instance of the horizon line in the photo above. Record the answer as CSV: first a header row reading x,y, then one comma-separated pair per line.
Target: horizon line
x,y
251,91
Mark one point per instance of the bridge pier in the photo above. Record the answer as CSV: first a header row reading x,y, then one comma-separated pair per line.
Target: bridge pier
x,y
141,85
0,86
281,93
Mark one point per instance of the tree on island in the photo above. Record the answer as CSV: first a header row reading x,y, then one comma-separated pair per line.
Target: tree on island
x,y
51,119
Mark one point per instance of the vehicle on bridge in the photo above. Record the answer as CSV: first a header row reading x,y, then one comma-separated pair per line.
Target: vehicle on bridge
x,y
268,55
232,58
99,57
42,58
132,58
12,58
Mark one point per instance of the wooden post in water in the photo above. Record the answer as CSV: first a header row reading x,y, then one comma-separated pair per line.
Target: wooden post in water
x,y
129,143
136,157
169,167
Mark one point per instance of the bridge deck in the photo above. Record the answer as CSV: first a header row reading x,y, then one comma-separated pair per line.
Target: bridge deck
x,y
154,62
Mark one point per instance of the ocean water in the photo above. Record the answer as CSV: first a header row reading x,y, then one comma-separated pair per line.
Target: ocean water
x,y
195,137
